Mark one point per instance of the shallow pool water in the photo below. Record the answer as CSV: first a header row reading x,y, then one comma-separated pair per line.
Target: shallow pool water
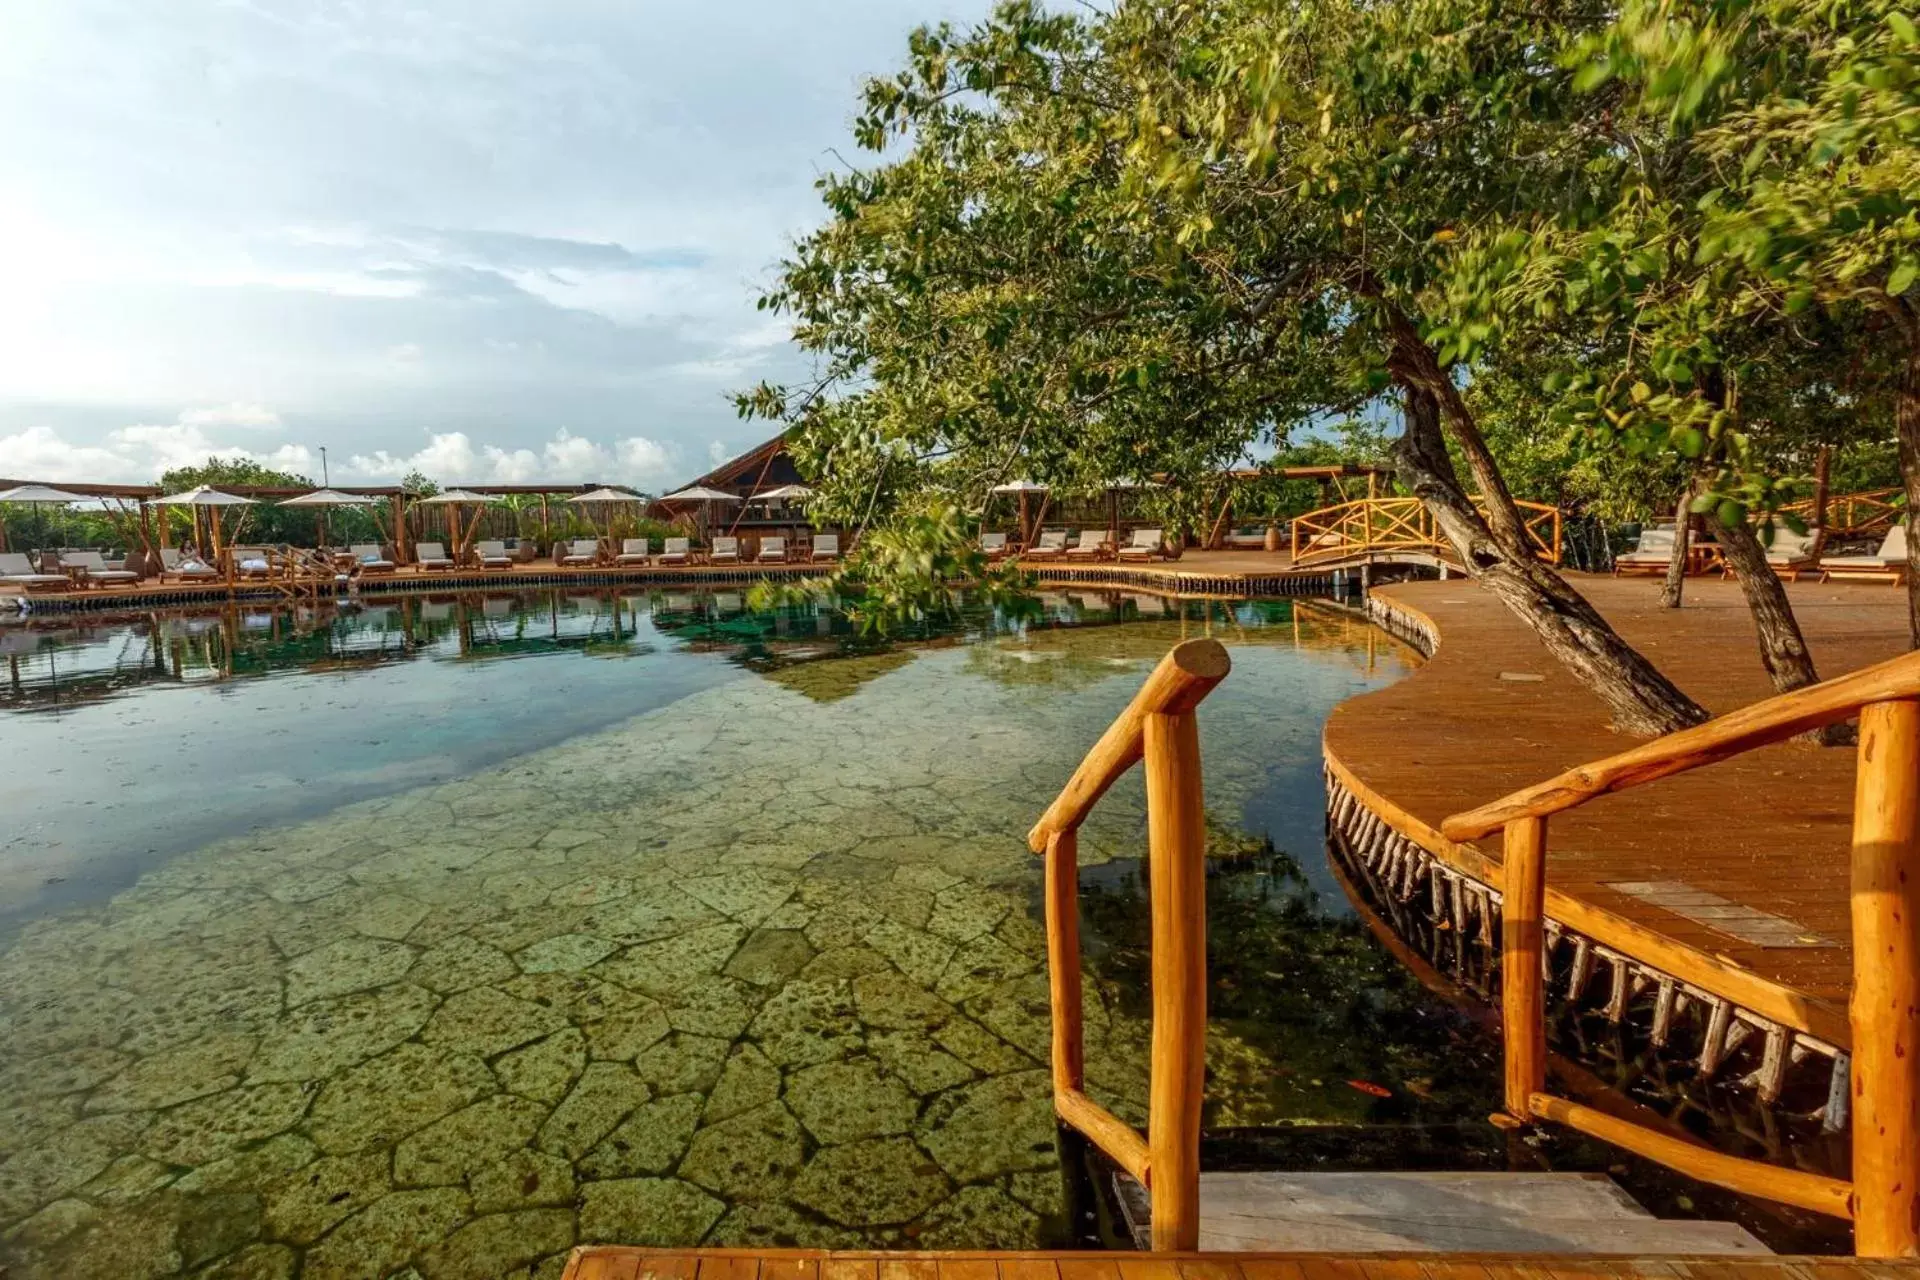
x,y
449,935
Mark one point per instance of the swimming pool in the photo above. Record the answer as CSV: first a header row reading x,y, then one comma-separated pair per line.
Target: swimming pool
x,y
447,933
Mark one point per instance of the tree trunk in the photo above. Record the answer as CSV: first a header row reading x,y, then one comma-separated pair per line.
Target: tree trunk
x,y
1907,418
1783,650
1640,699
1676,584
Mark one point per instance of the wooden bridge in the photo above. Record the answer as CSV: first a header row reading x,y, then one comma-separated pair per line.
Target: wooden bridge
x,y
1399,531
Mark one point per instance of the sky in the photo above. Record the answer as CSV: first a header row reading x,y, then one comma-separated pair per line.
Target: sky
x,y
493,240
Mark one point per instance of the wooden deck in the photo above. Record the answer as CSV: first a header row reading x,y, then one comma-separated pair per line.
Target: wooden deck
x,y
1732,878
612,1262
1197,572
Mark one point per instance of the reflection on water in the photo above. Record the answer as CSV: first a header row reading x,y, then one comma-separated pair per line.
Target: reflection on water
x,y
728,940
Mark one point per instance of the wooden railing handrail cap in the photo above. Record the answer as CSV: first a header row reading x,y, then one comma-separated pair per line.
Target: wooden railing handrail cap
x,y
1205,658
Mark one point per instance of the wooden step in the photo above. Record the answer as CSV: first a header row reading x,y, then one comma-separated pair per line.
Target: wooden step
x,y
1446,1213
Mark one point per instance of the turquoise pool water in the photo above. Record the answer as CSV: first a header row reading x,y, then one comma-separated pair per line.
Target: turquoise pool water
x,y
446,933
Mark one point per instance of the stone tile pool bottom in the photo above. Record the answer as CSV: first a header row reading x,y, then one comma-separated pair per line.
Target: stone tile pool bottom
x,y
751,968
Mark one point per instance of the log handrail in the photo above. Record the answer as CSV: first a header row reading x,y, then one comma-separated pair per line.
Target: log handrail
x,y
1158,726
1883,1197
1402,524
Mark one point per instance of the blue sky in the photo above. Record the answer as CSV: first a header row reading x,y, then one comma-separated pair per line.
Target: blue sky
x,y
496,239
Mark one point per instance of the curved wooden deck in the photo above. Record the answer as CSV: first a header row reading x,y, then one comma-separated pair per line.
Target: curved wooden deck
x,y
1731,881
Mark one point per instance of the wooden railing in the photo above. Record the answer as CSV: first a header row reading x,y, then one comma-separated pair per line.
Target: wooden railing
x,y
1159,725
1883,1198
1854,514
1381,526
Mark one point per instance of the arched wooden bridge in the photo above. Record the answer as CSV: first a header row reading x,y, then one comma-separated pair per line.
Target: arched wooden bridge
x,y
1399,531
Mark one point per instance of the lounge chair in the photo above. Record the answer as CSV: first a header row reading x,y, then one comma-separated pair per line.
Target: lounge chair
x,y
1888,564
995,545
773,550
432,557
1092,545
492,555
678,551
1791,554
96,566
826,546
1052,545
1651,554
370,557
725,551
180,567
1147,544
633,551
581,551
17,571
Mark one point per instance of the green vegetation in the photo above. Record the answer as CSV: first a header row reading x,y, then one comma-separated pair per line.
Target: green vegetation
x,y
1608,255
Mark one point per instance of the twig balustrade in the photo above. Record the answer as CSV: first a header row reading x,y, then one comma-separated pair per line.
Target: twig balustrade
x,y
1158,726
1851,515
1382,526
1883,1198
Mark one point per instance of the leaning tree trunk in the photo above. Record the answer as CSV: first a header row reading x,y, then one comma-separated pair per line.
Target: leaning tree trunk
x,y
1640,699
1907,419
1676,584
1783,649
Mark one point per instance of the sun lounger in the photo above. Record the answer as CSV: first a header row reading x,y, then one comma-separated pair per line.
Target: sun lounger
x,y
581,551
1791,554
632,551
1888,564
185,568
1091,546
433,557
826,546
370,558
677,552
96,566
1651,554
773,550
995,545
725,551
17,571
492,555
1147,544
1052,545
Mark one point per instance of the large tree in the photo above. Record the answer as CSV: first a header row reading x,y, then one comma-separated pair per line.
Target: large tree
x,y
1142,241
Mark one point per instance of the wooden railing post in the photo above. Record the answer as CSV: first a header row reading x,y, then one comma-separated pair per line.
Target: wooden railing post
x,y
1177,879
1063,958
1522,977
1885,1009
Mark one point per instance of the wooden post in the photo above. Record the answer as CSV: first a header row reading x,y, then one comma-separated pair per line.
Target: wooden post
x,y
1063,959
1885,1009
1822,486
400,549
1177,876
1522,980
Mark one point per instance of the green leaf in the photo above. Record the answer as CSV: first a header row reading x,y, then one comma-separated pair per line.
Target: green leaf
x,y
1901,278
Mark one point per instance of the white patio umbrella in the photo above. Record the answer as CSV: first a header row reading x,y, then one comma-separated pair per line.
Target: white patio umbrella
x,y
324,498
38,495
787,493
211,500
1023,488
458,498
706,497
603,497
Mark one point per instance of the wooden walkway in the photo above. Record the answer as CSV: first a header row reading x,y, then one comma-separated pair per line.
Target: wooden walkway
x,y
1733,877
612,1262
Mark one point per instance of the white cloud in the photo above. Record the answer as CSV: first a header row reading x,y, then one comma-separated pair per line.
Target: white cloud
x,y
453,457
236,414
140,453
